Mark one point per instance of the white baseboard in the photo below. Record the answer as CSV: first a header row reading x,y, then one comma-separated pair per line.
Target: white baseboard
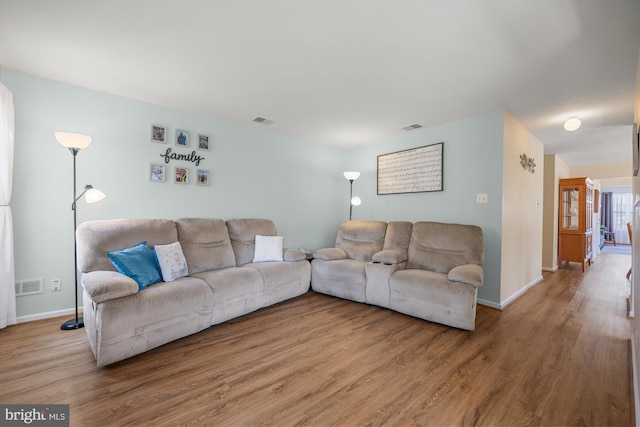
x,y
551,270
488,303
48,315
515,296
634,373
512,298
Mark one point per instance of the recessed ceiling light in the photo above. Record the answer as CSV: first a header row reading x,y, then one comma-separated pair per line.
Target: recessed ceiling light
x,y
572,124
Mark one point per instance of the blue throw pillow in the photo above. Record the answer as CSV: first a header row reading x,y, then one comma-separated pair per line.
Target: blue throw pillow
x,y
139,263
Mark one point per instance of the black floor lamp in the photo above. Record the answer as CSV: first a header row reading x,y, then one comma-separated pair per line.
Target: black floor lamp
x,y
76,142
353,200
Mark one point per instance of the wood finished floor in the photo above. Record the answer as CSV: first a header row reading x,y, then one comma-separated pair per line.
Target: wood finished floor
x,y
557,356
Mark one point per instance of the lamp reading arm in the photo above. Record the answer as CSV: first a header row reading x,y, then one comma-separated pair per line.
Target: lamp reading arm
x,y
92,195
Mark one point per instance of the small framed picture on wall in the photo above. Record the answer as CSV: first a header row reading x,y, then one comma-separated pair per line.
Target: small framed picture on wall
x,y
202,177
181,175
158,134
203,142
157,173
182,138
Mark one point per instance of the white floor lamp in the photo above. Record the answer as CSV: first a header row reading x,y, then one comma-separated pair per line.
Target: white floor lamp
x,y
353,200
76,142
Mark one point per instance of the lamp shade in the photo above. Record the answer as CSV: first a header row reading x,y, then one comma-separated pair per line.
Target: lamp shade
x,y
73,140
93,195
351,175
572,124
355,201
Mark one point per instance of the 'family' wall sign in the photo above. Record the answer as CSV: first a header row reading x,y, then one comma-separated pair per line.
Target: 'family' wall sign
x,y
182,174
193,157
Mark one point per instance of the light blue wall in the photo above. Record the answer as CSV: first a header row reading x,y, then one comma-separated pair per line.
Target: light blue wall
x,y
472,164
255,173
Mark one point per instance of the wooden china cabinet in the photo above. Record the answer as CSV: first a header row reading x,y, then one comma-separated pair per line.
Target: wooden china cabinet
x,y
575,225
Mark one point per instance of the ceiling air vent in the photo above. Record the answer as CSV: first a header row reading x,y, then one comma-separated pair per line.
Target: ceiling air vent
x,y
263,121
412,127
30,287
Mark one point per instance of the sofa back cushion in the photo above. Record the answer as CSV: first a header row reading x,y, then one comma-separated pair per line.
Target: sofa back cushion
x,y
243,231
97,238
361,239
439,247
398,236
205,243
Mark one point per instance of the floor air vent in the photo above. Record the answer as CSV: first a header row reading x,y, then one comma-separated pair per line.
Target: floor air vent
x,y
30,287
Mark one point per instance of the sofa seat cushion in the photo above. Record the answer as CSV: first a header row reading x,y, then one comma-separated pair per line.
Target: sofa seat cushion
x,y
431,296
236,291
205,244
163,312
282,280
343,278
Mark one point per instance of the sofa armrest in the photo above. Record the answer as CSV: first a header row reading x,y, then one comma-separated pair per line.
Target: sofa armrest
x,y
293,255
330,254
468,273
102,286
389,257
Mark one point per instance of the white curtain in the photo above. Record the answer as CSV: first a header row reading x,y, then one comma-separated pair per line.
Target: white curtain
x,y
7,269
622,204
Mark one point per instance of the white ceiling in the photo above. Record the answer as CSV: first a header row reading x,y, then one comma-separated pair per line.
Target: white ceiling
x,y
349,73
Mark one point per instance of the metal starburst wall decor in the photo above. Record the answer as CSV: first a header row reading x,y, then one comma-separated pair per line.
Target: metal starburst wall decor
x,y
528,163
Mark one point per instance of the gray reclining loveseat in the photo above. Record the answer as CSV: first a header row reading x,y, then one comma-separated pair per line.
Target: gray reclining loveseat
x,y
429,270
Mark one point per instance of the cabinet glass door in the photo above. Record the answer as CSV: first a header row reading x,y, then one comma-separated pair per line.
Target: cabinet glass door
x,y
569,208
589,209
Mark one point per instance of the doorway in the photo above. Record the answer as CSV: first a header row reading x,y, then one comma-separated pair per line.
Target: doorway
x,y
616,212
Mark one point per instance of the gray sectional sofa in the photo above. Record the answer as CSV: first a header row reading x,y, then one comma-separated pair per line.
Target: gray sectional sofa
x,y
124,317
151,281
428,270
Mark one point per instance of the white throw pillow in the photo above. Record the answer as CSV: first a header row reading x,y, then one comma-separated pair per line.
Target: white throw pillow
x,y
171,260
268,248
